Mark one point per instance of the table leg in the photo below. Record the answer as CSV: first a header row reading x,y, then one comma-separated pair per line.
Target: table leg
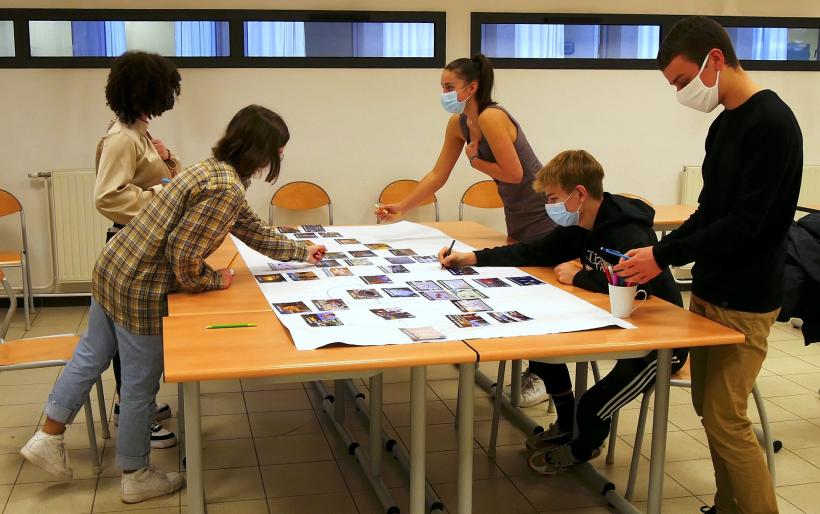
x,y
193,449
376,390
515,384
466,379
181,418
581,377
659,426
417,439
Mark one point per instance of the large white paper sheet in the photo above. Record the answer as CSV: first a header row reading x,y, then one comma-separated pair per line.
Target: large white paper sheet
x,y
549,309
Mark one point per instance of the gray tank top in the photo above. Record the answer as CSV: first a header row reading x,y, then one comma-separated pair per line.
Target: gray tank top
x,y
523,208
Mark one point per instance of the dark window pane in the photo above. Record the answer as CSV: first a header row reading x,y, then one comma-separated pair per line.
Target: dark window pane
x,y
338,39
556,41
775,43
112,38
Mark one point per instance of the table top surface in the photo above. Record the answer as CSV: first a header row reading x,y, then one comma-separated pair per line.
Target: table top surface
x,y
193,352
672,216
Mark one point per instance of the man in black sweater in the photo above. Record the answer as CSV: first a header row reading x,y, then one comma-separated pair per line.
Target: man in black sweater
x,y
751,181
589,219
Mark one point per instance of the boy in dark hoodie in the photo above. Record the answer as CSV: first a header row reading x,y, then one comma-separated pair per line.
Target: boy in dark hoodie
x,y
588,219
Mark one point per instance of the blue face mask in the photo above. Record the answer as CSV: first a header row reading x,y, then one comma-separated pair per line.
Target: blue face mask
x,y
451,103
560,215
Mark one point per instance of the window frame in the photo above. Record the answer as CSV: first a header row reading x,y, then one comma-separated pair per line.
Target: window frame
x,y
236,19
665,21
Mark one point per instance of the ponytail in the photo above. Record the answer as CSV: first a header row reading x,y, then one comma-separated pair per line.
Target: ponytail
x,y
478,68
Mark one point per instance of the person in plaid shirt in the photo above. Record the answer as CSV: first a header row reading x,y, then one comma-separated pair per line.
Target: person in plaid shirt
x,y
163,249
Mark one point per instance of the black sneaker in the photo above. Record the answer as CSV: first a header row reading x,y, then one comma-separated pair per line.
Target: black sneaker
x,y
162,438
709,510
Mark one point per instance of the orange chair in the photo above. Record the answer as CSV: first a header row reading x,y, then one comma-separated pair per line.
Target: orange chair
x,y
17,257
398,190
300,196
483,195
637,197
46,352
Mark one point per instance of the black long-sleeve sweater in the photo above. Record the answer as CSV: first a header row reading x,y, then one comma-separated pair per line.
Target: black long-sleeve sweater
x,y
751,181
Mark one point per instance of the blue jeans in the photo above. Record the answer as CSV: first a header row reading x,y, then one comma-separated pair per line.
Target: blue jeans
x,y
141,371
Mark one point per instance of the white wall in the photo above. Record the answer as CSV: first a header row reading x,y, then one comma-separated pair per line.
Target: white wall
x,y
353,131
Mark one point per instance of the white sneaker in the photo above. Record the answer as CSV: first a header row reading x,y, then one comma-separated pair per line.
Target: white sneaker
x,y
49,453
533,390
161,437
147,483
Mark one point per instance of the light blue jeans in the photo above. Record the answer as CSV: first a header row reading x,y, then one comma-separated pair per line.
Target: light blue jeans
x,y
141,370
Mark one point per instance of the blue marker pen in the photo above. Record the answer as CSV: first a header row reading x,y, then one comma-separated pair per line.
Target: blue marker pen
x,y
615,253
166,180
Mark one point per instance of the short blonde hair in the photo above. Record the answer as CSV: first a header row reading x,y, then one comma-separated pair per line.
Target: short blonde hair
x,y
572,168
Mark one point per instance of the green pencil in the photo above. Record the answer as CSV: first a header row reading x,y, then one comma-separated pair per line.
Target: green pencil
x,y
232,325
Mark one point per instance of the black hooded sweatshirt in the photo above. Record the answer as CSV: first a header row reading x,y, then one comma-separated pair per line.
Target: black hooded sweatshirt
x,y
621,224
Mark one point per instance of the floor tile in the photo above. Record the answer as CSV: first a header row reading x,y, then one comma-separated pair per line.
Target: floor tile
x,y
268,384
27,415
804,497
806,406
226,426
672,488
300,479
73,497
231,485
436,413
13,438
220,386
686,505
108,499
22,394
791,469
489,497
283,400
222,403
10,468
59,316
228,453
442,467
779,386
268,424
52,330
337,503
30,376
295,448
448,390
697,476
797,434
789,366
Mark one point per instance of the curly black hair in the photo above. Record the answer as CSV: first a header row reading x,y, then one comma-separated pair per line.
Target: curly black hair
x,y
141,83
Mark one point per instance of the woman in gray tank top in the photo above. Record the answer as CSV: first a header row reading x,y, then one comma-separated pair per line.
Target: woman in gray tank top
x,y
493,142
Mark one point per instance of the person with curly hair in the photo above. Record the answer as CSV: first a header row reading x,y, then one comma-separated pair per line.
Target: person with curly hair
x,y
132,165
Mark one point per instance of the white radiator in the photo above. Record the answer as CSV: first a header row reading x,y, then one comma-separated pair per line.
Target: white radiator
x,y
78,230
692,183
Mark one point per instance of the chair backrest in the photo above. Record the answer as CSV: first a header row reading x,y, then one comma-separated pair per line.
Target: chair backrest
x,y
483,195
4,327
302,196
9,203
398,190
637,197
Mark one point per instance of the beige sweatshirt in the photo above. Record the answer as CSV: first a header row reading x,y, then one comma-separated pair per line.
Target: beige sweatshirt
x,y
129,171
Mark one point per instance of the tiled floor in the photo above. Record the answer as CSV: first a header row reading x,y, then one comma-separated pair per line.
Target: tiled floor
x,y
269,449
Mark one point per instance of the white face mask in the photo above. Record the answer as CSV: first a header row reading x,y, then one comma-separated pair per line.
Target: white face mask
x,y
698,95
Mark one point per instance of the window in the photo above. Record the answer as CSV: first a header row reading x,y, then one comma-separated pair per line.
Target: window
x,y
225,38
6,38
567,40
775,43
562,41
338,39
621,41
111,38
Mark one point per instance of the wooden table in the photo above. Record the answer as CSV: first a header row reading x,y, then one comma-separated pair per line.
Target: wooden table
x,y
193,354
670,217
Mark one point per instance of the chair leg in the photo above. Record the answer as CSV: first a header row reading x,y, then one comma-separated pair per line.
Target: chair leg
x,y
550,405
28,282
636,450
103,410
768,444
596,373
499,395
613,438
96,465
27,303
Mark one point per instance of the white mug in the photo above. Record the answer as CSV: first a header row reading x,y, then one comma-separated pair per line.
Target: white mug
x,y
622,300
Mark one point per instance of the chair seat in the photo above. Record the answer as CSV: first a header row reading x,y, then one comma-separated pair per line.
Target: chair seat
x,y
27,351
11,258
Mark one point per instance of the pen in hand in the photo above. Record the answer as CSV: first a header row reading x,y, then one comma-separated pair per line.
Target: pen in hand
x,y
448,252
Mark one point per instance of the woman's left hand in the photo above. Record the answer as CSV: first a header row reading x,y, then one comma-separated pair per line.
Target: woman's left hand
x,y
471,151
162,150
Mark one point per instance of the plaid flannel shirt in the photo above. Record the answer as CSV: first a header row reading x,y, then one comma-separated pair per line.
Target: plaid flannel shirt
x,y
164,247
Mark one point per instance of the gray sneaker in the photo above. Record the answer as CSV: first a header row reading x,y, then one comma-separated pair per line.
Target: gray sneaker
x,y
48,452
148,482
533,390
552,436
